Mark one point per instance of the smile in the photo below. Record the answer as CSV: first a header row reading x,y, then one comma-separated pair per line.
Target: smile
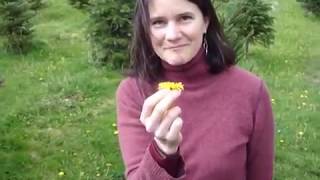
x,y
176,47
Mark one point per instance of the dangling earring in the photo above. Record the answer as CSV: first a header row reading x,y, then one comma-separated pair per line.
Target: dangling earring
x,y
205,43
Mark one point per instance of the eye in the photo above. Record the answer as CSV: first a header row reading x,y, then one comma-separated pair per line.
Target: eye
x,y
186,18
158,23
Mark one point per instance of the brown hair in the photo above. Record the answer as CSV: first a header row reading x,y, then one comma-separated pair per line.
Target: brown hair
x,y
146,65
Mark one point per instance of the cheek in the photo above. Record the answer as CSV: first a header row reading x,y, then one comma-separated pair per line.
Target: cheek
x,y
195,34
195,31
157,37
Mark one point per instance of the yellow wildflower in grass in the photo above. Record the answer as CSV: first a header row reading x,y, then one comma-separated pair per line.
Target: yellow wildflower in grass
x,y
281,141
171,86
114,125
116,132
300,133
61,173
98,174
273,101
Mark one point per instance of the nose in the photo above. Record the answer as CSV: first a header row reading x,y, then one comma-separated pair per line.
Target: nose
x,y
172,32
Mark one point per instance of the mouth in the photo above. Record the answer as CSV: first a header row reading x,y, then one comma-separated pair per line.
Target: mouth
x,y
176,47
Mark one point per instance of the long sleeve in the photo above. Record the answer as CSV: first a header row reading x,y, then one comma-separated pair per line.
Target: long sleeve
x,y
133,139
261,145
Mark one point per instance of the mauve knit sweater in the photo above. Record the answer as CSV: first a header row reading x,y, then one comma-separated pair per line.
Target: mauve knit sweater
x,y
228,126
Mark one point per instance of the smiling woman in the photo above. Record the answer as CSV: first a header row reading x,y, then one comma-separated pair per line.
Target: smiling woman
x,y
176,35
219,127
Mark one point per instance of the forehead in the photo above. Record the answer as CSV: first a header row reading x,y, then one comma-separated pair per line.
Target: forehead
x,y
171,7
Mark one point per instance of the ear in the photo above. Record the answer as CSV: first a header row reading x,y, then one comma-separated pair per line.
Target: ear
x,y
206,23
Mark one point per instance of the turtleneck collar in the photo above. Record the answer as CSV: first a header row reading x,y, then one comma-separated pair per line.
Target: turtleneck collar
x,y
188,73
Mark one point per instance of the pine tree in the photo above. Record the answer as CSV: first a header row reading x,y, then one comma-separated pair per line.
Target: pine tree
x,y
229,14
80,4
311,5
36,5
257,23
109,32
246,22
15,25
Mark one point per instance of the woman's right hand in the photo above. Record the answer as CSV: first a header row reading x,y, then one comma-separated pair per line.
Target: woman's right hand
x,y
161,118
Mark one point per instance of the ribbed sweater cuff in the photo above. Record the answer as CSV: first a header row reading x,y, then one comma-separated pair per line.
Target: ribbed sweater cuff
x,y
171,163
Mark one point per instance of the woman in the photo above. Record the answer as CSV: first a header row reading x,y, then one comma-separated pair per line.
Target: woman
x,y
219,127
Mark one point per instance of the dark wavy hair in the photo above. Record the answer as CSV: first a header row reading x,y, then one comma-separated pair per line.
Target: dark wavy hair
x,y
146,65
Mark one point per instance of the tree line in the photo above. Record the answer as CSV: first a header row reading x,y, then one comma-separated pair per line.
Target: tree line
x,y
109,28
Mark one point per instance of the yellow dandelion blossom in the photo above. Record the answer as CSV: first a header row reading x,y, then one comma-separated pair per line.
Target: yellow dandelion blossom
x,y
61,173
281,141
116,132
171,86
114,125
98,174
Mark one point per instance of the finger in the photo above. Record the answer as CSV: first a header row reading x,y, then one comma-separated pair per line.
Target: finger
x,y
173,135
150,102
165,124
160,109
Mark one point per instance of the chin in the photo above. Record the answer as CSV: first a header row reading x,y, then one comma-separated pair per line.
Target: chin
x,y
175,61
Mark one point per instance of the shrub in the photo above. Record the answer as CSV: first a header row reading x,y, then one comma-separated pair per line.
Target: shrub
x,y
312,5
109,32
80,4
15,25
247,22
36,5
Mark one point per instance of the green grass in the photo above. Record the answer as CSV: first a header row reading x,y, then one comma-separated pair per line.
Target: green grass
x,y
57,110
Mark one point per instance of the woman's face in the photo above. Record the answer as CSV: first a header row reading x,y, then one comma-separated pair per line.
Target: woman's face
x,y
177,28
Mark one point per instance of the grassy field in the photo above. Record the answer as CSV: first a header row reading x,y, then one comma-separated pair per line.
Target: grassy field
x,y
57,111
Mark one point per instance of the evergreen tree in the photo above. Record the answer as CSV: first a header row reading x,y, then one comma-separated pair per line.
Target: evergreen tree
x,y
15,25
246,22
36,5
80,4
312,5
109,31
229,14
258,24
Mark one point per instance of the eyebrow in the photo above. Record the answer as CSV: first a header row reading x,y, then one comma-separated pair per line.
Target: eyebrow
x,y
180,14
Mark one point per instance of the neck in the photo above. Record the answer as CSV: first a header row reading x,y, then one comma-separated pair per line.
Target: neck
x,y
189,73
